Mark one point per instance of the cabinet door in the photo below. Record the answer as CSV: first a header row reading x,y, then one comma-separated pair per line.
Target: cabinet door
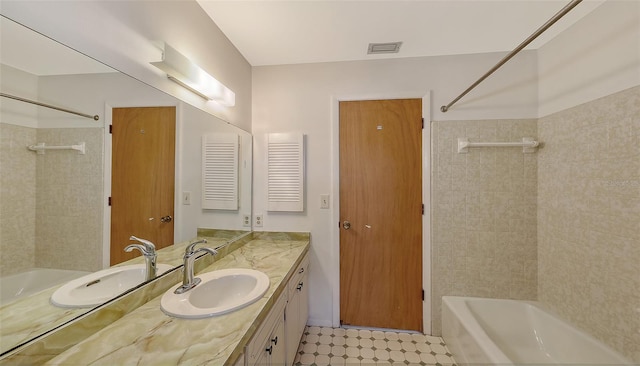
x,y
256,349
263,359
278,355
292,323
303,305
273,349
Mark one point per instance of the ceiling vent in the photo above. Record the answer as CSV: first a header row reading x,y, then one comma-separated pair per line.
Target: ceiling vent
x,y
378,48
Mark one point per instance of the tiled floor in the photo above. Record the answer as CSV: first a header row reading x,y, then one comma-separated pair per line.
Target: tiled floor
x,y
338,346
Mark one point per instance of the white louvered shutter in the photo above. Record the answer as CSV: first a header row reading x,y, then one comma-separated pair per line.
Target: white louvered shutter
x,y
285,164
220,171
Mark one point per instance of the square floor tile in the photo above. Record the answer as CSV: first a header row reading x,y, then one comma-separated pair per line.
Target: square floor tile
x,y
338,346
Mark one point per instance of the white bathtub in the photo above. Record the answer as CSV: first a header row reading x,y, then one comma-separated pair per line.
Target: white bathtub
x,y
22,284
498,332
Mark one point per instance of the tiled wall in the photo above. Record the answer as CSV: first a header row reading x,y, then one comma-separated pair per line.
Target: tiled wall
x,y
589,218
69,200
17,198
483,213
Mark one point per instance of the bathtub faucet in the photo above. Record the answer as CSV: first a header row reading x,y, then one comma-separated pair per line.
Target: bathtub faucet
x,y
148,250
188,282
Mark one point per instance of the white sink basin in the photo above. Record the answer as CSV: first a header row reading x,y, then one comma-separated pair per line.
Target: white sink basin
x,y
220,292
98,287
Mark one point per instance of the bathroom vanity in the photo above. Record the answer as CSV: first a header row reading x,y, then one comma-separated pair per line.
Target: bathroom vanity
x,y
267,331
276,340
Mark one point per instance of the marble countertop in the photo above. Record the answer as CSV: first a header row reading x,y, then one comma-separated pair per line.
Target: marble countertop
x,y
34,315
147,336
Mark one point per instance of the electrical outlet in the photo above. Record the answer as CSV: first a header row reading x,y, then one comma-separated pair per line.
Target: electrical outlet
x,y
324,201
259,221
186,198
246,220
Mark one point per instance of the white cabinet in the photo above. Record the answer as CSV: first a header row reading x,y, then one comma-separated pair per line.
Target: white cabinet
x,y
276,340
276,345
268,345
297,310
273,348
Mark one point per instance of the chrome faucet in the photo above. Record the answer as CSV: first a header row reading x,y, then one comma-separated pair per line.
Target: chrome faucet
x,y
148,250
188,282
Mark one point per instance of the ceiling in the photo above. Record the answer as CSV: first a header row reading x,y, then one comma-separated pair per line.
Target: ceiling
x,y
271,32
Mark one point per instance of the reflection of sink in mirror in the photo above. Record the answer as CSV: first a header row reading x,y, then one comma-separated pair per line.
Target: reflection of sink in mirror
x,y
220,292
94,289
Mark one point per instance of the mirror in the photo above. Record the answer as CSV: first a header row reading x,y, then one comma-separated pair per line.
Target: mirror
x,y
54,218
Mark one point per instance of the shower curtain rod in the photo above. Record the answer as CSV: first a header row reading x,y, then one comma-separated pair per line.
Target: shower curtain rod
x,y
95,117
522,45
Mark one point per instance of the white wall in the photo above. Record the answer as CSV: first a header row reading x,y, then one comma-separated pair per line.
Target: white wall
x,y
596,57
122,35
197,123
300,98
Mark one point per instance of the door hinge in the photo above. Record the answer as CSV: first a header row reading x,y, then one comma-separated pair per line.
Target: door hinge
x,y
423,295
111,128
423,208
423,123
109,201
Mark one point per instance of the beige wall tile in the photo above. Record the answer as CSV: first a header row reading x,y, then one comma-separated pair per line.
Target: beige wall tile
x,y
69,201
484,243
589,218
17,198
50,202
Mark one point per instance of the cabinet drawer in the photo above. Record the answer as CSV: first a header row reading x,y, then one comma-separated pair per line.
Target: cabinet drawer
x,y
302,269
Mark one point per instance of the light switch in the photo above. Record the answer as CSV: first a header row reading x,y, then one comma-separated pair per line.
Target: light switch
x,y
324,201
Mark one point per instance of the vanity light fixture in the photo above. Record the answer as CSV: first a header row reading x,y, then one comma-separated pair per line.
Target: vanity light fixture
x,y
181,70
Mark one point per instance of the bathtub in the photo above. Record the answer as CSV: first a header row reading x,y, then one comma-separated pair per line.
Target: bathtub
x,y
511,332
23,284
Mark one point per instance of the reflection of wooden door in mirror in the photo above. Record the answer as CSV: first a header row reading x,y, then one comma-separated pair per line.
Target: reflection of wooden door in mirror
x,y
142,178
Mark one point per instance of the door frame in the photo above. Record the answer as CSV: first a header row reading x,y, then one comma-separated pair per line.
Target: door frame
x,y
107,160
426,197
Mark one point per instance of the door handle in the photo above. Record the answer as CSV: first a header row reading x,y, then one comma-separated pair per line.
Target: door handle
x,y
346,225
167,218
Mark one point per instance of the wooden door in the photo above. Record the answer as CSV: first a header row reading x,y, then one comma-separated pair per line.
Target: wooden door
x,y
142,180
381,199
